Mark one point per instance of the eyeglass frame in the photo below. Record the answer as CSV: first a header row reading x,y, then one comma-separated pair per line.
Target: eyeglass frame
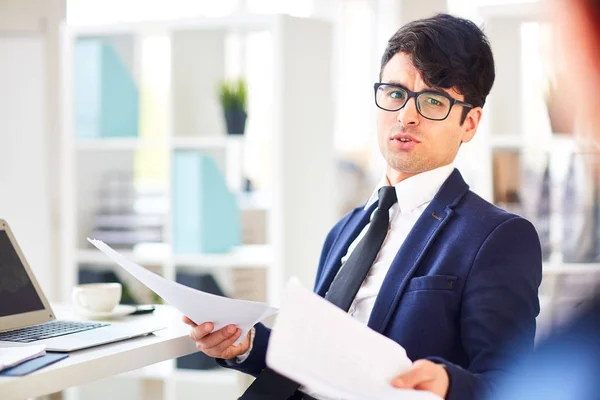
x,y
412,94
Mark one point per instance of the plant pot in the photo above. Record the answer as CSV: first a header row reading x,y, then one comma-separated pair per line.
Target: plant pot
x,y
235,121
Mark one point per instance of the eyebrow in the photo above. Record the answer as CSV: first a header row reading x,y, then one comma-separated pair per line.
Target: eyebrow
x,y
428,89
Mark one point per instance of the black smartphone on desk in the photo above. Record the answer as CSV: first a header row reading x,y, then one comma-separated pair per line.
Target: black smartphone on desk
x,y
143,309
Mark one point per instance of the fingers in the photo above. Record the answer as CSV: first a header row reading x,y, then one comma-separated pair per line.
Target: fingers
x,y
425,375
188,321
218,344
200,331
227,343
218,337
420,373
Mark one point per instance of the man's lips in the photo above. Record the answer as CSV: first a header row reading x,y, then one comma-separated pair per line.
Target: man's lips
x,y
404,138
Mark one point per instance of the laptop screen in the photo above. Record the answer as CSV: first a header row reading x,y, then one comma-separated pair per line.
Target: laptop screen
x,y
17,293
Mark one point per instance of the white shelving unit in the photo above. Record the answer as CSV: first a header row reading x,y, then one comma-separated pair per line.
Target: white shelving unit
x,y
290,127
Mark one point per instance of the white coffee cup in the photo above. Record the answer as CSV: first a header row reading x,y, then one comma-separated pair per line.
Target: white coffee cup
x,y
97,297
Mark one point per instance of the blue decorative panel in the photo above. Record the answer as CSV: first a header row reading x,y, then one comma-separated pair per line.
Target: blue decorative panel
x,y
87,88
205,213
106,97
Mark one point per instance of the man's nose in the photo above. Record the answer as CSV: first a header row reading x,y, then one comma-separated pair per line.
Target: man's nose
x,y
408,115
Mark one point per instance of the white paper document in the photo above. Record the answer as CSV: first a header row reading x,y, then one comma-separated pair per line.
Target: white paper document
x,y
197,305
321,347
11,356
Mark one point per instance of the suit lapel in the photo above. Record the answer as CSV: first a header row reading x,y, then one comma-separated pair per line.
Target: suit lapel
x,y
349,233
414,248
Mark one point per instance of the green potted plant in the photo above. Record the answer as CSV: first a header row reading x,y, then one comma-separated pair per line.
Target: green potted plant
x,y
233,95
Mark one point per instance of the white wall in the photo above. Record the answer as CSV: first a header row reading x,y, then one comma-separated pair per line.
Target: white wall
x,y
29,129
24,202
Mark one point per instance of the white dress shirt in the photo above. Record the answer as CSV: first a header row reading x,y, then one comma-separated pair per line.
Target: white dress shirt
x,y
414,195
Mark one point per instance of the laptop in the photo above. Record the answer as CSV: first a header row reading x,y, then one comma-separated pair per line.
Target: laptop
x,y
27,318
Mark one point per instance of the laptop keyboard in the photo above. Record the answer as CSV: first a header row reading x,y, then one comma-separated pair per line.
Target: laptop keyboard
x,y
47,331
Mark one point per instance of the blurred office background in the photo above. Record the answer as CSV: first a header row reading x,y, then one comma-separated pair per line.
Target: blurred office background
x,y
111,126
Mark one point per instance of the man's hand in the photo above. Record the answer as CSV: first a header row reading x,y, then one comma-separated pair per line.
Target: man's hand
x,y
218,344
425,375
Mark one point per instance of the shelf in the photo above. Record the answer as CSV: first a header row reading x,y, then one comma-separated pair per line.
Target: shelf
x,y
93,256
507,142
178,143
519,141
254,200
121,144
205,142
243,256
251,256
554,268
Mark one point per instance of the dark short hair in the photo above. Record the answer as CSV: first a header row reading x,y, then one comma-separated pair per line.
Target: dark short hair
x,y
449,52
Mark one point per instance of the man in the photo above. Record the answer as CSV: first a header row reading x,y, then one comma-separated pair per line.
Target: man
x,y
440,271
567,365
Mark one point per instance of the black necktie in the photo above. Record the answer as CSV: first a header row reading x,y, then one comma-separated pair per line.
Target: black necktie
x,y
269,385
344,287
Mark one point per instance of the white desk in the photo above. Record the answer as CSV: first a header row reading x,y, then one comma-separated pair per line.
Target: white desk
x,y
103,361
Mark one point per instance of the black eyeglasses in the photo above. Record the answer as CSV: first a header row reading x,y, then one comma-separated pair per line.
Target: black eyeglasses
x,y
430,104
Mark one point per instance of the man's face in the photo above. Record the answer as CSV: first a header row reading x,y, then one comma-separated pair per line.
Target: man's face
x,y
431,143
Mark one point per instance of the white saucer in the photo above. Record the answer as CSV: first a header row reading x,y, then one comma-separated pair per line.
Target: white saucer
x,y
118,312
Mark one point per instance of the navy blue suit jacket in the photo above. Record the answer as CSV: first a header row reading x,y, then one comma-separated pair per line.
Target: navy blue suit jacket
x,y
462,287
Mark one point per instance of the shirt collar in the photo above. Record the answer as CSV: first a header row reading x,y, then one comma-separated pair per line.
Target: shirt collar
x,y
416,190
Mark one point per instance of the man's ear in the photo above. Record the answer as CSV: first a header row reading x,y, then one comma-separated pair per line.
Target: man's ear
x,y
469,126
